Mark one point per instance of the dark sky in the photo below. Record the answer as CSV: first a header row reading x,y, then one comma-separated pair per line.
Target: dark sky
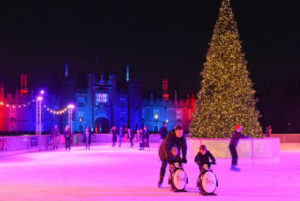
x,y
156,38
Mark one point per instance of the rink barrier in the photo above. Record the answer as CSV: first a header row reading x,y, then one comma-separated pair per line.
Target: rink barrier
x,y
29,142
287,138
252,148
263,148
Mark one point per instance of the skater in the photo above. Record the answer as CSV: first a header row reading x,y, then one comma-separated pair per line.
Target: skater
x,y
269,131
121,134
174,138
204,157
130,136
146,136
141,139
232,146
55,136
174,158
163,131
175,163
68,136
114,133
87,137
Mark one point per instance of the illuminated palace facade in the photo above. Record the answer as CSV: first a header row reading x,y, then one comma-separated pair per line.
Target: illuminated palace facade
x,y
103,104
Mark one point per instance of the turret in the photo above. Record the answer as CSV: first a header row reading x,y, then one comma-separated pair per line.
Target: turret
x,y
135,99
114,99
127,74
91,98
66,69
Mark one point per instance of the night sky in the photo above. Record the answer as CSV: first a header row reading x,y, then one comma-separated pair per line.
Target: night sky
x,y
158,39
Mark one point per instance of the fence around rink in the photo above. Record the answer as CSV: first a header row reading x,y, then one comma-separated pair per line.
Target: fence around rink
x,y
248,148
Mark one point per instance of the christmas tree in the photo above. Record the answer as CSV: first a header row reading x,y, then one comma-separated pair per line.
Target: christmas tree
x,y
226,97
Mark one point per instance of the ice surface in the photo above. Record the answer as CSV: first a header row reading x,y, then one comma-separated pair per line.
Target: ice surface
x,y
106,173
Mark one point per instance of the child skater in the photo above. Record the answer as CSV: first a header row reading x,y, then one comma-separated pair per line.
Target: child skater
x,y
174,162
204,157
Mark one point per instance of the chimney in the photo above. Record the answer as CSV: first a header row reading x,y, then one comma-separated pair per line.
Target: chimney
x,y
23,85
165,87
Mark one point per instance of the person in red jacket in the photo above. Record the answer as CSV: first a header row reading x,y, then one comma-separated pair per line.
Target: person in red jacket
x,y
232,146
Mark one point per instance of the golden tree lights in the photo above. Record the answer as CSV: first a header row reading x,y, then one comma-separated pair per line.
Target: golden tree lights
x,y
226,97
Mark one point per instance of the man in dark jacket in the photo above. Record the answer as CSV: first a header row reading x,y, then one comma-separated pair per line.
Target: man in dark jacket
x,y
232,146
68,137
174,138
163,131
114,133
121,135
146,136
87,137
55,136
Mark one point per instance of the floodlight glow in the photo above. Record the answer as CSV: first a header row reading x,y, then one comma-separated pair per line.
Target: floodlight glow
x,y
39,98
71,106
42,92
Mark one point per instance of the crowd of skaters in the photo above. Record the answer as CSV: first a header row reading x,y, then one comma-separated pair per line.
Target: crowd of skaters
x,y
118,134
173,148
142,135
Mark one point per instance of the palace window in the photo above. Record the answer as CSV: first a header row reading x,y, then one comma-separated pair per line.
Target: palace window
x,y
122,101
101,98
178,115
122,116
80,100
80,114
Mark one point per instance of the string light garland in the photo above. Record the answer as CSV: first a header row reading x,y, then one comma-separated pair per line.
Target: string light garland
x,y
16,106
55,111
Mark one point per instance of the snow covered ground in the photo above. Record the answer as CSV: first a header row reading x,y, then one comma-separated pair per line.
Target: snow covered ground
x,y
106,173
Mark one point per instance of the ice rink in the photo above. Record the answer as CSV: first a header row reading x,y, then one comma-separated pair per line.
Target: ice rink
x,y
106,173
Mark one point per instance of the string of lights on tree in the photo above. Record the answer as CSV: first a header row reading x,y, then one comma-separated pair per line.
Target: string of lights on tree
x,y
226,97
17,106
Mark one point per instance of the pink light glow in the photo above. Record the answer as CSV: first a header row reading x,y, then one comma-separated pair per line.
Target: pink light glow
x,y
72,106
42,92
39,98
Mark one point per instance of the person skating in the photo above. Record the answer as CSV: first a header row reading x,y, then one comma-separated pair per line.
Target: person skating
x,y
130,136
175,161
204,157
114,133
174,138
141,139
55,136
87,137
269,131
146,136
236,136
163,131
68,136
121,134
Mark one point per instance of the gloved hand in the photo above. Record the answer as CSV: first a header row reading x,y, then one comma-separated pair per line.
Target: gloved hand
x,y
184,160
213,163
